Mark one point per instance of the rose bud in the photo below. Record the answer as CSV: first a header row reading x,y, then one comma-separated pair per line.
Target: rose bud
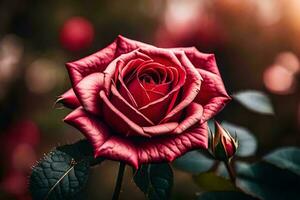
x,y
223,145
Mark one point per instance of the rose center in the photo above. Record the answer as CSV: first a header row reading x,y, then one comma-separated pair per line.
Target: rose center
x,y
151,78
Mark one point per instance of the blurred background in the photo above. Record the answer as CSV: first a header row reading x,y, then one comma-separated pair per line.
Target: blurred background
x,y
257,46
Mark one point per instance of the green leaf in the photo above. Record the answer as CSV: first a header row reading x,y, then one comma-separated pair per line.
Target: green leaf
x,y
194,162
255,101
61,174
211,125
268,182
285,158
78,150
81,149
155,180
222,171
224,195
211,182
246,140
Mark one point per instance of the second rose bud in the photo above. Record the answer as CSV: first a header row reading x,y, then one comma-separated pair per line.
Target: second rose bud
x,y
222,145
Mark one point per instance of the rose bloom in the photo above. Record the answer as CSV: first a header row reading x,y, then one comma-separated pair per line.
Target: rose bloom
x,y
141,104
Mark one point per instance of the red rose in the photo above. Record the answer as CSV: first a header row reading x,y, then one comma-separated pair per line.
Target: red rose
x,y
140,104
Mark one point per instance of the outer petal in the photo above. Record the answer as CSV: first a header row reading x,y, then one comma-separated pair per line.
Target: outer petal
x,y
170,147
212,96
96,132
117,148
126,45
87,91
98,62
193,115
126,126
190,88
201,60
69,99
161,129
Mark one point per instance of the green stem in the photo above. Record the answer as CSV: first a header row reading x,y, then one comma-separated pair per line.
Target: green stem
x,y
119,181
230,171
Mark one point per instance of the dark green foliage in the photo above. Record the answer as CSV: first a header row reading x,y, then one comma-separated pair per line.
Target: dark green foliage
x,y
62,173
194,162
155,180
255,101
224,195
268,182
285,158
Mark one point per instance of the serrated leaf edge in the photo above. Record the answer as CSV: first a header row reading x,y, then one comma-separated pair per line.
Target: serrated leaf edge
x,y
72,165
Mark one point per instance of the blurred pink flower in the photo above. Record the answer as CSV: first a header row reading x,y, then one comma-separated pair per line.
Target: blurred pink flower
x,y
77,33
19,143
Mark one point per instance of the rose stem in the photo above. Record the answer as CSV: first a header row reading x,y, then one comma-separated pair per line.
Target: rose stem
x,y
230,171
119,181
96,161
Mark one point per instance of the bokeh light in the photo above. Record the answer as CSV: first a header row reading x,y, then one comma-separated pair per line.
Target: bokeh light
x,y
19,148
180,15
280,77
11,51
23,157
289,61
267,11
42,76
279,80
77,33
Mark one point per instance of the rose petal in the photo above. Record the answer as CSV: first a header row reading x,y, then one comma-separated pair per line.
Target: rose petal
x,y
118,120
87,91
157,91
190,88
138,92
129,68
126,45
142,92
94,63
124,107
161,129
98,62
212,96
159,88
120,149
170,147
162,56
137,152
115,65
193,115
69,99
96,131
201,60
160,106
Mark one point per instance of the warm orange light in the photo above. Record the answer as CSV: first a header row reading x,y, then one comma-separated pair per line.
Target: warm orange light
x,y
279,80
289,61
181,15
